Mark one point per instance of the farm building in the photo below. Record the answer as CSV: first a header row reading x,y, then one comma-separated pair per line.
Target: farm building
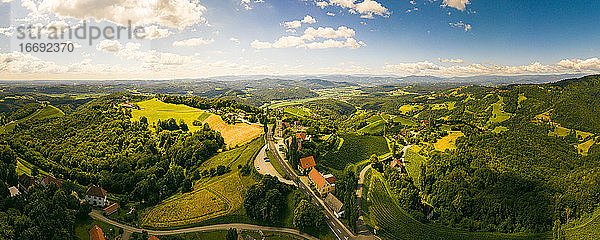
x,y
336,206
321,184
111,209
96,196
25,183
96,233
153,238
307,164
49,179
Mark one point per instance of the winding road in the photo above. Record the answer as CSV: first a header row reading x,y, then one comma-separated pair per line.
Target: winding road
x,y
97,215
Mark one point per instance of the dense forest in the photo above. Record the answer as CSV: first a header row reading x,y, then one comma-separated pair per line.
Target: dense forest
x,y
100,144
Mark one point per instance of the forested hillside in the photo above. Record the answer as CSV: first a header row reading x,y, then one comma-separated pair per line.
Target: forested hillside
x,y
99,144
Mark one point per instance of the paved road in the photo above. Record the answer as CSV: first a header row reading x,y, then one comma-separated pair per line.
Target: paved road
x,y
267,168
334,224
95,214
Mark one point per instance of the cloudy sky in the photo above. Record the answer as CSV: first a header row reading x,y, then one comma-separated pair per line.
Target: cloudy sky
x,y
204,38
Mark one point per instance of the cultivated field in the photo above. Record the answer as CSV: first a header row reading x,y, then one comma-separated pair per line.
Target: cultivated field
x,y
212,197
355,148
236,134
392,222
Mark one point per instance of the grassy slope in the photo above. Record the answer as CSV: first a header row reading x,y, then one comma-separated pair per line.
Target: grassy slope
x,y
498,113
299,112
393,222
237,134
212,197
448,142
355,148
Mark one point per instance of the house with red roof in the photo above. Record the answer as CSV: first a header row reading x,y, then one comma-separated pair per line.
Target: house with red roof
x,y
96,233
321,184
153,238
49,179
306,164
96,196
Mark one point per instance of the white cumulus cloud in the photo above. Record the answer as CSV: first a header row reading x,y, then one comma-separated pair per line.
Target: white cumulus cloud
x,y
171,13
192,42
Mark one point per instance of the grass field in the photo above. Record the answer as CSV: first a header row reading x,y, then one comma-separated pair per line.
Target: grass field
x,y
562,131
237,134
448,142
585,146
405,121
299,111
413,161
500,129
211,197
498,113
392,222
355,148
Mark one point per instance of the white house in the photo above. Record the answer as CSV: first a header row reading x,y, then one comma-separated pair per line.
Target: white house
x,y
96,196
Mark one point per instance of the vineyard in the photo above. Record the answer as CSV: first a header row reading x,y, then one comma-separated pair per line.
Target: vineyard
x,y
392,222
212,197
355,148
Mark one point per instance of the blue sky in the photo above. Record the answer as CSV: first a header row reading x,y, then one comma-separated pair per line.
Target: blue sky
x,y
204,38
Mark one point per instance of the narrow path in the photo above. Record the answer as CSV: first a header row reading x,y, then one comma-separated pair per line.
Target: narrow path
x,y
361,226
97,215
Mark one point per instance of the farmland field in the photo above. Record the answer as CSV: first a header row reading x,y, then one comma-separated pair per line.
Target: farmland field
x,y
355,148
413,162
237,134
392,222
448,142
373,128
212,197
